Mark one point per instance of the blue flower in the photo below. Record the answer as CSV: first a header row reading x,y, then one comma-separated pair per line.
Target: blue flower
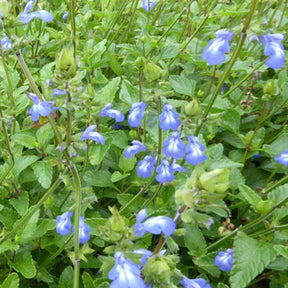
x,y
282,158
174,147
214,51
63,223
89,133
275,49
65,15
134,149
136,114
194,283
148,5
6,43
26,17
84,231
145,167
177,167
154,225
169,118
125,273
164,172
57,92
40,108
224,260
112,113
194,151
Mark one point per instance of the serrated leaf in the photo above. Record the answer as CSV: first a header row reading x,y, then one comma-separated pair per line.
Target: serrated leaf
x,y
8,245
250,195
108,92
43,226
126,164
66,281
12,281
8,217
24,264
250,258
26,233
282,250
194,240
21,204
98,178
97,152
231,120
87,280
279,194
44,134
25,140
23,162
117,176
183,85
44,173
206,262
129,94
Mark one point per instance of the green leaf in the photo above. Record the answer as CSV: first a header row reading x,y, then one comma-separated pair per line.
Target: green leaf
x,y
24,264
21,204
98,50
206,262
231,120
98,178
43,226
26,232
183,85
8,245
66,279
250,195
8,217
278,146
250,258
117,176
194,240
44,134
114,64
129,94
25,140
126,164
108,92
221,285
123,199
12,281
97,152
87,280
282,250
23,162
44,173
278,195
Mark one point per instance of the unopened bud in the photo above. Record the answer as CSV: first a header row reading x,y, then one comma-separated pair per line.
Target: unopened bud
x,y
270,88
192,108
65,62
152,72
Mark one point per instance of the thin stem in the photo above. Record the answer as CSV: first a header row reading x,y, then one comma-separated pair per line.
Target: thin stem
x,y
69,118
73,26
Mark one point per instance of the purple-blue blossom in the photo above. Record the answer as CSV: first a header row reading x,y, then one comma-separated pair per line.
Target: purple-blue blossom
x,y
136,114
40,108
134,149
84,231
164,172
65,15
148,5
63,223
146,254
154,225
169,119
194,283
275,49
224,260
112,113
194,151
282,158
174,147
6,43
26,17
177,167
57,92
125,273
91,134
145,167
214,51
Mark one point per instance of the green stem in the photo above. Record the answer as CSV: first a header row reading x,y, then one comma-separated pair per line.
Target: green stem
x,y
272,174
69,119
73,26
25,218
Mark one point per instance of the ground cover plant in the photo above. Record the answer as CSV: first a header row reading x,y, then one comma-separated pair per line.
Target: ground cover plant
x,y
143,144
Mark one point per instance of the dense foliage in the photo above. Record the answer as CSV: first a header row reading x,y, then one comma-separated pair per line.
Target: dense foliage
x,y
143,144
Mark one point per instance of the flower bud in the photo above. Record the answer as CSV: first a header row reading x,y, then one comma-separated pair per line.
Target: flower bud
x,y
216,180
264,206
140,62
4,7
152,72
270,88
192,108
65,63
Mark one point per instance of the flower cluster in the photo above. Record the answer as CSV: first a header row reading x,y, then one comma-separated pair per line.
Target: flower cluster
x,y
215,51
224,260
64,226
